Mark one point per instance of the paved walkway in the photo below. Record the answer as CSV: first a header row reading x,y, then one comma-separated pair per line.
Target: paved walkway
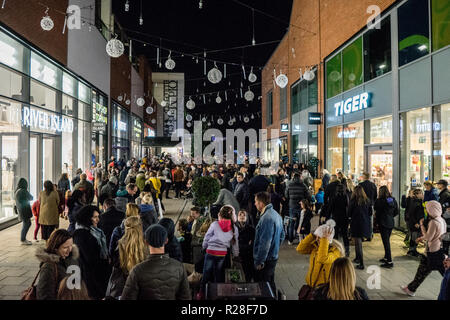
x,y
18,266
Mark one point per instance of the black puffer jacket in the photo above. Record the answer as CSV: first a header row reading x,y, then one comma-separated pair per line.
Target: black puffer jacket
x,y
415,214
385,211
173,246
49,276
110,219
296,191
157,278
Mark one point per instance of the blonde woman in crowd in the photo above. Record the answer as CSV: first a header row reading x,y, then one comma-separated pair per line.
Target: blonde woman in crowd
x,y
132,210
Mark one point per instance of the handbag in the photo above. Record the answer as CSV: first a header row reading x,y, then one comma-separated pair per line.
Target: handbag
x,y
30,292
435,259
306,292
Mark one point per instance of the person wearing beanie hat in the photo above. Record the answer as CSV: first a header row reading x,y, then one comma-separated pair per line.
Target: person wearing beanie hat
x,y
145,279
434,255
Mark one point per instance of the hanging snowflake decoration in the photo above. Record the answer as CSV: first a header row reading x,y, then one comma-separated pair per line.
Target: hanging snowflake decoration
x,y
170,64
189,117
246,119
115,48
249,95
120,98
153,121
218,99
190,104
282,81
230,123
215,75
203,119
149,110
140,102
252,77
189,124
128,102
163,103
47,22
309,75
220,121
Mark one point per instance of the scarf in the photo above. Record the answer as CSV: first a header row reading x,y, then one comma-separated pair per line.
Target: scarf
x,y
99,236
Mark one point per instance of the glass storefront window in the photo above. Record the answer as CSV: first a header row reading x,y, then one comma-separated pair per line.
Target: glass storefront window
x,y
334,149
84,111
10,174
353,137
312,92
352,64
69,85
295,103
312,144
68,105
269,111
377,50
11,84
12,53
43,96
84,135
381,130
67,153
334,76
440,23
84,93
413,31
10,116
45,71
441,142
415,132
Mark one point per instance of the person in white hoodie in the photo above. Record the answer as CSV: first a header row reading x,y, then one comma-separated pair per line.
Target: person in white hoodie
x,y
221,235
434,255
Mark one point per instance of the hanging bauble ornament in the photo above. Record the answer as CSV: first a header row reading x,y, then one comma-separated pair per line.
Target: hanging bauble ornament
x,y
220,121
170,64
252,77
115,48
189,117
209,124
189,124
153,121
190,104
335,76
253,117
218,99
215,75
163,103
128,102
140,102
203,119
47,22
246,119
282,80
309,75
249,95
230,123
149,110
171,113
120,98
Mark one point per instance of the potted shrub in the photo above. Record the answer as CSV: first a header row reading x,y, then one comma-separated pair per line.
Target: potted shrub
x,y
205,191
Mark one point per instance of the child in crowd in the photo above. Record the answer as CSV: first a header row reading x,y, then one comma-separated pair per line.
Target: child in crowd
x,y
35,210
304,225
319,200
246,239
185,240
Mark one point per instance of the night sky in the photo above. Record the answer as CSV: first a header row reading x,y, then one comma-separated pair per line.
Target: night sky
x,y
219,24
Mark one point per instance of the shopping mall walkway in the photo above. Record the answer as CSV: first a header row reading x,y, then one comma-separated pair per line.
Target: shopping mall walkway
x,y
18,266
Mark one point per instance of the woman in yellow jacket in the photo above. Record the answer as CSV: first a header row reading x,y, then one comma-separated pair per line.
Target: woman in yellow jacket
x,y
156,183
323,251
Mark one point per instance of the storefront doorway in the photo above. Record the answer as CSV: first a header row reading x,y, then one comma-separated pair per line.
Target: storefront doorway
x,y
9,148
379,165
42,162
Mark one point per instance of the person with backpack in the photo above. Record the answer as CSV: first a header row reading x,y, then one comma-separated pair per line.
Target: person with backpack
x,y
295,192
386,208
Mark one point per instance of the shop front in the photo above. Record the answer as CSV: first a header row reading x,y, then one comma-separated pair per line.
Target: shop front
x,y
136,137
149,131
99,128
119,133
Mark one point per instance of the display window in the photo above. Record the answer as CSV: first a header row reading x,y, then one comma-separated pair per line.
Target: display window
x,y
381,130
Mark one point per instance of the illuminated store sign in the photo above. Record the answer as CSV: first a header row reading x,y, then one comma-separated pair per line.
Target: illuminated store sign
x,y
356,103
42,120
99,113
314,118
284,127
122,126
347,133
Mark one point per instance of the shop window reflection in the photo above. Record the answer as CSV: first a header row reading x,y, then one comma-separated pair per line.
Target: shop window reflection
x,y
335,146
441,142
353,137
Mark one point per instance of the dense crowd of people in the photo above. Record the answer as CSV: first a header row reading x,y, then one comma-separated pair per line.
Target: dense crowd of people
x,y
126,249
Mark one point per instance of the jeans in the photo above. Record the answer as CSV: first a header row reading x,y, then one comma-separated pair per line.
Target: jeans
x,y
26,224
267,274
213,270
178,186
385,237
422,272
359,250
294,215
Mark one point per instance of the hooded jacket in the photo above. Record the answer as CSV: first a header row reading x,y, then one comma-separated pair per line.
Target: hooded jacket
x,y
52,270
140,181
436,226
385,211
216,239
226,197
148,215
110,189
173,246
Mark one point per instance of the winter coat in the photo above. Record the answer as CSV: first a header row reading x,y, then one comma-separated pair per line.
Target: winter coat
x,y
75,180
140,181
275,200
295,192
319,197
156,185
444,199
216,239
242,194
370,189
430,195
23,198
178,176
157,278
94,270
87,188
338,210
110,219
148,215
110,189
330,192
280,185
48,210
73,210
226,197
385,211
436,228
53,270
268,236
360,219
173,247
407,205
321,293
325,180
416,213
305,227
257,184
246,240
64,185
444,294
321,259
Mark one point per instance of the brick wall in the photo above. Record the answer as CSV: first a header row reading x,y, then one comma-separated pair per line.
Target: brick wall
x,y
121,79
313,36
24,17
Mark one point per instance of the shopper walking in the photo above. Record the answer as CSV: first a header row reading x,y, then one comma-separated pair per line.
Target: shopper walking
x,y
416,214
359,211
22,199
75,203
295,192
370,189
48,210
339,213
35,210
433,258
386,208
64,183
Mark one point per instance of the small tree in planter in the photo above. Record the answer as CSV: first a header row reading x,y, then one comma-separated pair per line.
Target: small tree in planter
x,y
205,191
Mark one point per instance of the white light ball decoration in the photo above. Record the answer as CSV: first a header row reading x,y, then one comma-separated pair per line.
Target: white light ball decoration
x,y
189,117
149,110
246,119
170,64
218,99
190,104
203,119
230,123
47,23
128,102
309,75
115,48
282,81
189,124
120,98
249,95
209,124
171,113
153,121
215,75
252,77
140,102
220,121
163,103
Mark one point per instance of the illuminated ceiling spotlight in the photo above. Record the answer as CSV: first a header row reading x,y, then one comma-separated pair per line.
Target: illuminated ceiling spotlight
x,y
200,4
